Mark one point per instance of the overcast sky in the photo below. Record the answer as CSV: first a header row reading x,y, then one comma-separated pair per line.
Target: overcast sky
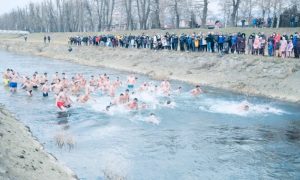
x,y
8,5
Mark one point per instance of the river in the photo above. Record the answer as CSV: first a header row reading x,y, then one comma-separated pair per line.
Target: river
x,y
205,137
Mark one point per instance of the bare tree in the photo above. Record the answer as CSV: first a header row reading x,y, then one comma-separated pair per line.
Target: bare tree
x,y
156,12
204,13
235,7
143,7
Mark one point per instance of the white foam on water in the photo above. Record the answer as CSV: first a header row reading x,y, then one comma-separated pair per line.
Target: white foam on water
x,y
236,108
152,119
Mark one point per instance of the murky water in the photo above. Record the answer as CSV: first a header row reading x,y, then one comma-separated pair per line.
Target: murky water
x,y
207,137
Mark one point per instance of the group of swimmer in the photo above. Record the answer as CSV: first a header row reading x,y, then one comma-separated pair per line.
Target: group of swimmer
x,y
81,87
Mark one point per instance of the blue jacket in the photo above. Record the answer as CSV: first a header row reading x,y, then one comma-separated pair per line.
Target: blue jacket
x,y
295,40
221,39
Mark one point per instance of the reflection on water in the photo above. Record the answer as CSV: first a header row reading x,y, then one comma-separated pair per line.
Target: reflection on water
x,y
207,137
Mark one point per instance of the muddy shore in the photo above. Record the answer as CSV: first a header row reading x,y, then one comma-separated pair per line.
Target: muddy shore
x,y
252,75
22,157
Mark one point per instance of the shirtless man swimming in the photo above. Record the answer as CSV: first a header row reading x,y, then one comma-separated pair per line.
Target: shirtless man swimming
x,y
84,98
56,87
13,81
28,86
45,89
60,100
165,87
196,91
43,79
131,80
133,105
35,81
55,78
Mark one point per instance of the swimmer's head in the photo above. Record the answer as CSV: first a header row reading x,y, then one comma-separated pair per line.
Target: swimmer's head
x,y
246,107
197,86
45,74
152,114
179,87
135,99
168,102
121,94
107,108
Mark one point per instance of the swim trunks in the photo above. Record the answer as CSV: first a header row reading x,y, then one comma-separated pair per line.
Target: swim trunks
x,y
68,106
35,87
45,94
13,84
130,86
60,104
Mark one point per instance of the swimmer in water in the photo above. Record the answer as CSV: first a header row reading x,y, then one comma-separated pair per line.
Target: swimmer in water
x,y
13,81
28,86
45,88
152,119
169,104
178,90
126,96
165,87
84,98
245,106
60,100
131,80
133,105
196,91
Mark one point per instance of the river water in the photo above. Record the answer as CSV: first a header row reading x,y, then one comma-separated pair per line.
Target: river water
x,y
207,137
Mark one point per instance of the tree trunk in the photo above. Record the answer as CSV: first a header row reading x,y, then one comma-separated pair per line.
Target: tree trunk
x,y
156,15
235,5
129,21
204,13
177,14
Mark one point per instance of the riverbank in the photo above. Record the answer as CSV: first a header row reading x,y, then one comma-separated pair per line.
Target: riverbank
x,y
22,157
254,75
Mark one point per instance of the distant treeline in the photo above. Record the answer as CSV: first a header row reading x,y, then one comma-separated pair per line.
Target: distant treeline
x,y
106,15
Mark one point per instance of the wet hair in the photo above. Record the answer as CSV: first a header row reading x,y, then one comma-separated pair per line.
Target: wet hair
x,y
63,73
197,86
135,99
121,94
179,87
152,114
168,102
127,90
45,73
56,72
246,107
107,108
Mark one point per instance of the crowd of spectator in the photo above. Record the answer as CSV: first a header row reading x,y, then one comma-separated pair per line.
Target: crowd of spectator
x,y
279,45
